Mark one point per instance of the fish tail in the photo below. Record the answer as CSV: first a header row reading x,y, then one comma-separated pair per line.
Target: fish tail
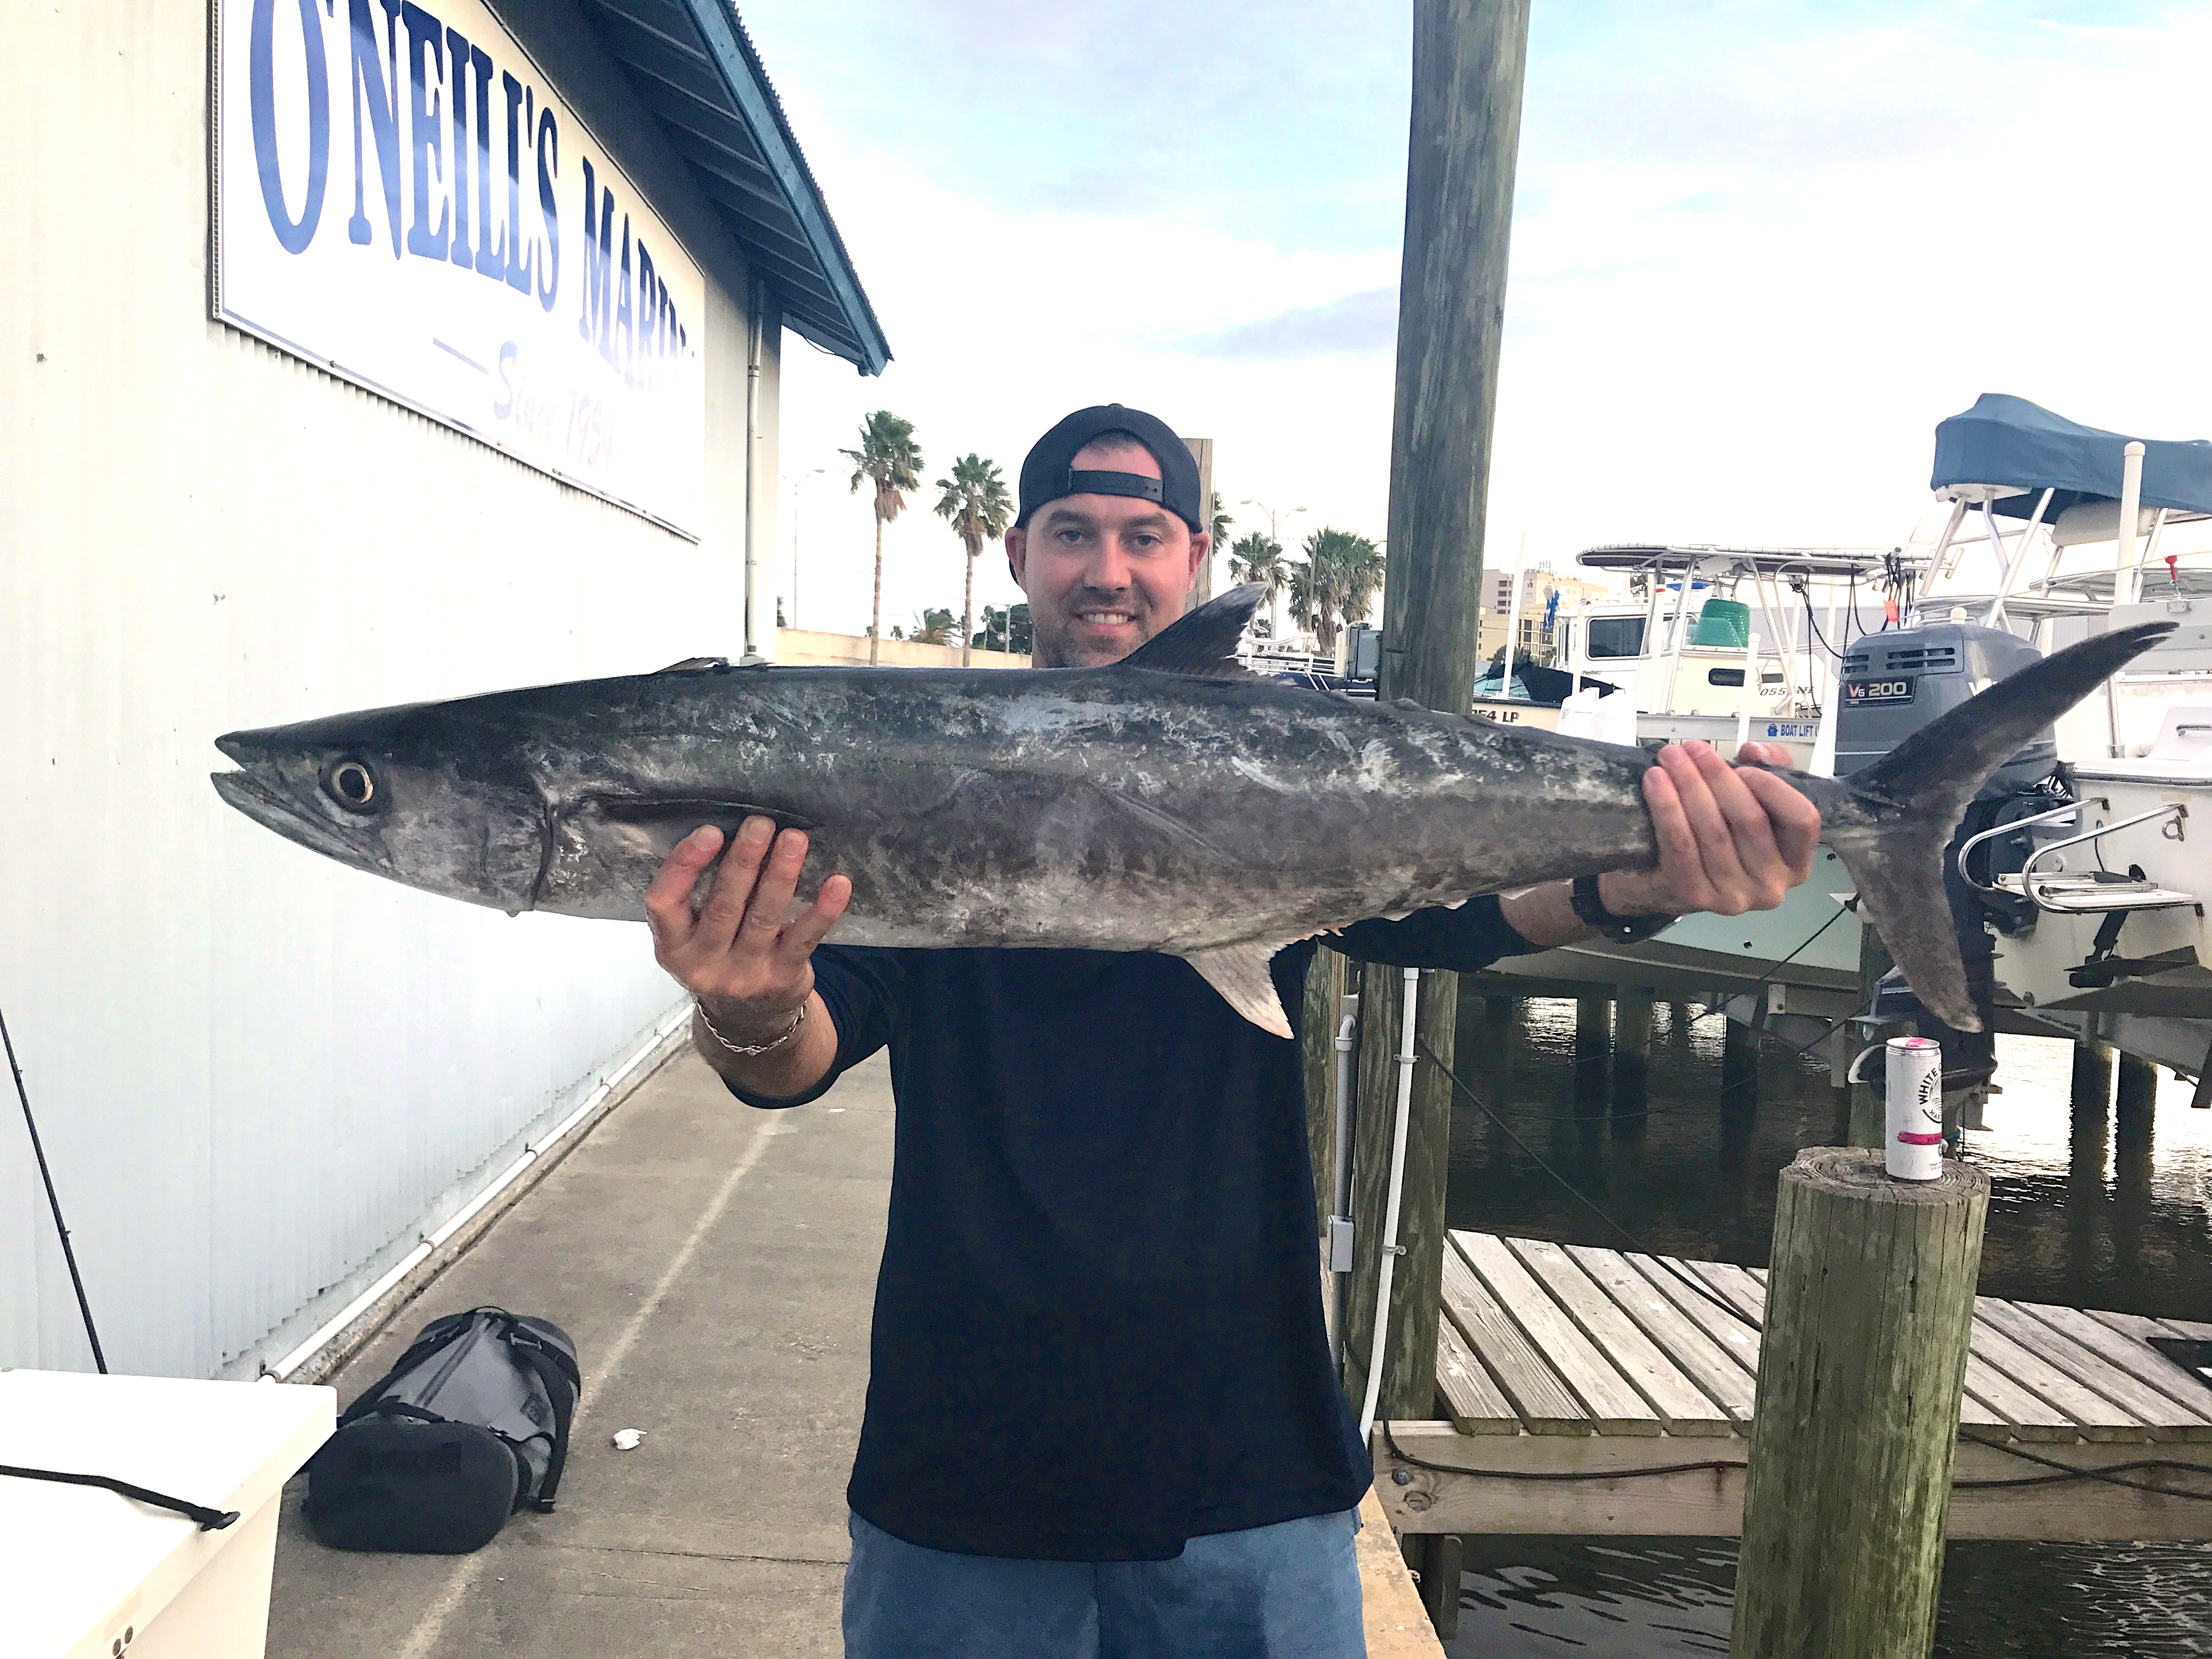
x,y
1891,823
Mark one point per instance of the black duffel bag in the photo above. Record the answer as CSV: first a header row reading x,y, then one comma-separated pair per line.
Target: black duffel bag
x,y
471,1425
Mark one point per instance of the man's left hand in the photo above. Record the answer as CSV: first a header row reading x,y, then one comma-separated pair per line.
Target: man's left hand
x,y
1730,840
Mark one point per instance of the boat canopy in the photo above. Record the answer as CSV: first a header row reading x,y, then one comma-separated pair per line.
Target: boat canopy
x,y
2007,450
1725,561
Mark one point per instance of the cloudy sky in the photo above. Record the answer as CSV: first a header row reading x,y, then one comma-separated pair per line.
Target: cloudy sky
x,y
1759,248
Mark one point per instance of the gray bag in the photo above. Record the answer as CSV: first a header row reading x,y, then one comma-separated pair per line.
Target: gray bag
x,y
471,1424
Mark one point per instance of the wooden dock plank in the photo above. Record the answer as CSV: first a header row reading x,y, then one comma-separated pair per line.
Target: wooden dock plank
x,y
2168,1375
1471,1394
1615,1406
1397,1624
1710,1503
2020,1411
1734,1285
2087,1363
1739,1335
1547,1405
2095,1416
1683,1406
1716,1369
1566,1333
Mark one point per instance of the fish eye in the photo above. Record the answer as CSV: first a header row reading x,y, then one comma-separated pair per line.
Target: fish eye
x,y
353,785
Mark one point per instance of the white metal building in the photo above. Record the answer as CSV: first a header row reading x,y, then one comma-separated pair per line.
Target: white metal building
x,y
332,381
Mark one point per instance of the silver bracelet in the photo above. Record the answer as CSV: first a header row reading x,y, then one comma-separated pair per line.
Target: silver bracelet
x,y
743,1051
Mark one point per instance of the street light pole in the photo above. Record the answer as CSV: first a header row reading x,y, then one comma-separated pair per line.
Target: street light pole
x,y
1273,515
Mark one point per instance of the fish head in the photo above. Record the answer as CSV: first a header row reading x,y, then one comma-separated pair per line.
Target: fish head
x,y
398,794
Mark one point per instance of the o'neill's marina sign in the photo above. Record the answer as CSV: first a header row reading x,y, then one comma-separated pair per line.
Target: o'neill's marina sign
x,y
402,198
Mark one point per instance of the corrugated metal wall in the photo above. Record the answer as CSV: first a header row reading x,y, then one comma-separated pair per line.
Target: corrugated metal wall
x,y
260,1076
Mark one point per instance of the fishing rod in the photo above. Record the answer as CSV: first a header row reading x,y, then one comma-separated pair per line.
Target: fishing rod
x,y
53,1198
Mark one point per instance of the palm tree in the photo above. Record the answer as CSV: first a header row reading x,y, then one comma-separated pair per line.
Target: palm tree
x,y
975,504
888,459
1258,558
1343,572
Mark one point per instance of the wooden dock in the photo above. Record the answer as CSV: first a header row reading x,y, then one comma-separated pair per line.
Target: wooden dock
x,y
1596,1392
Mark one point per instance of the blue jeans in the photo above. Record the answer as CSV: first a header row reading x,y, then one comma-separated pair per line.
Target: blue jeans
x,y
1288,1591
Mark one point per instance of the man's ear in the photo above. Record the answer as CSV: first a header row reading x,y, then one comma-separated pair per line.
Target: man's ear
x,y
1017,554
1201,544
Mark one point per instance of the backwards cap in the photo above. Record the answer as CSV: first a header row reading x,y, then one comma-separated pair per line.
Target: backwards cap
x,y
1049,472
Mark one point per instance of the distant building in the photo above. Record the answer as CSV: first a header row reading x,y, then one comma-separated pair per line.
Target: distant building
x,y
1537,619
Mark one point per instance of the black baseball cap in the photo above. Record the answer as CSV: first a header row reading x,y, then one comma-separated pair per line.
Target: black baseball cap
x,y
1048,473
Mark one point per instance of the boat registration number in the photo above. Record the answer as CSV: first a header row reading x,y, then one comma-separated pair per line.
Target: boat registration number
x,y
1891,691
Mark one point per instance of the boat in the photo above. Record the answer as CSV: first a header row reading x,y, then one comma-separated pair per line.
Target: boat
x,y
2099,895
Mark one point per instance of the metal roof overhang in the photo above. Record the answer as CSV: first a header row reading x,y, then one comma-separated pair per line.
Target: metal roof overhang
x,y
695,69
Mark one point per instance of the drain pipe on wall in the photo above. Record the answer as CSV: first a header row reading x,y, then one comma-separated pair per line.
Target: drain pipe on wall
x,y
754,299
1390,1252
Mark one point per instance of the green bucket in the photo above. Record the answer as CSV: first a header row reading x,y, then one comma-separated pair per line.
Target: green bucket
x,y
1723,623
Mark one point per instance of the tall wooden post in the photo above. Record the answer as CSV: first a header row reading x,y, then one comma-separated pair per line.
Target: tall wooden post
x,y
1868,1308
1464,139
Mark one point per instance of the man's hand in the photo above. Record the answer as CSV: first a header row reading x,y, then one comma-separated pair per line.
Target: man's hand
x,y
751,971
1730,840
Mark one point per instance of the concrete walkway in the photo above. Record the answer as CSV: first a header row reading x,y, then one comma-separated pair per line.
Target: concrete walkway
x,y
716,1266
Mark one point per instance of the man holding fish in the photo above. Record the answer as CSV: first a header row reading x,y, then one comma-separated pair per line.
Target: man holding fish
x,y
1101,1419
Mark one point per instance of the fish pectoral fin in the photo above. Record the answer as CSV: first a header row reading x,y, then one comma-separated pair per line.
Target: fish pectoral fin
x,y
1240,973
1203,645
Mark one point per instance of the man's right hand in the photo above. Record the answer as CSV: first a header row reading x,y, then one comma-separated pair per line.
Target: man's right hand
x,y
750,970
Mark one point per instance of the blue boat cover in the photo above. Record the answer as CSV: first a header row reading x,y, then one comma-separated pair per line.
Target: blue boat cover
x,y
2010,440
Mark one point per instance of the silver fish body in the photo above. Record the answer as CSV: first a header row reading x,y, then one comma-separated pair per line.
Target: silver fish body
x,y
1168,803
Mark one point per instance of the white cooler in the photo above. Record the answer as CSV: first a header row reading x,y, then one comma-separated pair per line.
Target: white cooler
x,y
86,1573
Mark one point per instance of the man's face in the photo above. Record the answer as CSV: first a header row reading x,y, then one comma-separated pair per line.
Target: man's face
x,y
1103,573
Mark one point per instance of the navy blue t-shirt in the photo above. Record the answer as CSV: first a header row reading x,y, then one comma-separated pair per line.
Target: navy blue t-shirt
x,y
1098,1324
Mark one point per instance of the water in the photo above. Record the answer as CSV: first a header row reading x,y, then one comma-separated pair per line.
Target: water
x,y
2110,1222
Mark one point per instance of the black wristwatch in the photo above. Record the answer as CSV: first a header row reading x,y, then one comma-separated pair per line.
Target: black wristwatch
x,y
1590,907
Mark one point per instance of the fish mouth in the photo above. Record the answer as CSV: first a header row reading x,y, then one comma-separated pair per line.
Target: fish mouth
x,y
272,810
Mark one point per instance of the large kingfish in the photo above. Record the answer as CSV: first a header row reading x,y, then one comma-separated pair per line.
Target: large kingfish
x,y
1171,802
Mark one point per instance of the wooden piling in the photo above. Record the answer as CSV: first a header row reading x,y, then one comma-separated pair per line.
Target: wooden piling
x,y
2137,1093
1631,1051
1593,1042
1869,1307
1436,1558
1317,1022
1462,144
2093,1077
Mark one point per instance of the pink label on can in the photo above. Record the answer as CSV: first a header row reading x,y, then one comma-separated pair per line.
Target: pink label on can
x,y
1912,1139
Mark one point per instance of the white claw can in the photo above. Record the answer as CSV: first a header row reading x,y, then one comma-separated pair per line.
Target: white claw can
x,y
1914,1098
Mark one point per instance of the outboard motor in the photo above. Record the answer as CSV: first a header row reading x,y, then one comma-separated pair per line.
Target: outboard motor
x,y
1893,684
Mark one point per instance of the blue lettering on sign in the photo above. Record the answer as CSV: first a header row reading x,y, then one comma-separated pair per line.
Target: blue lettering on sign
x,y
292,235
367,77
425,37
510,261
424,113
548,165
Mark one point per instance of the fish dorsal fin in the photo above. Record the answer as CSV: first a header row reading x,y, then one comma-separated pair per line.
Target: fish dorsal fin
x,y
1203,645
698,665
1240,973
